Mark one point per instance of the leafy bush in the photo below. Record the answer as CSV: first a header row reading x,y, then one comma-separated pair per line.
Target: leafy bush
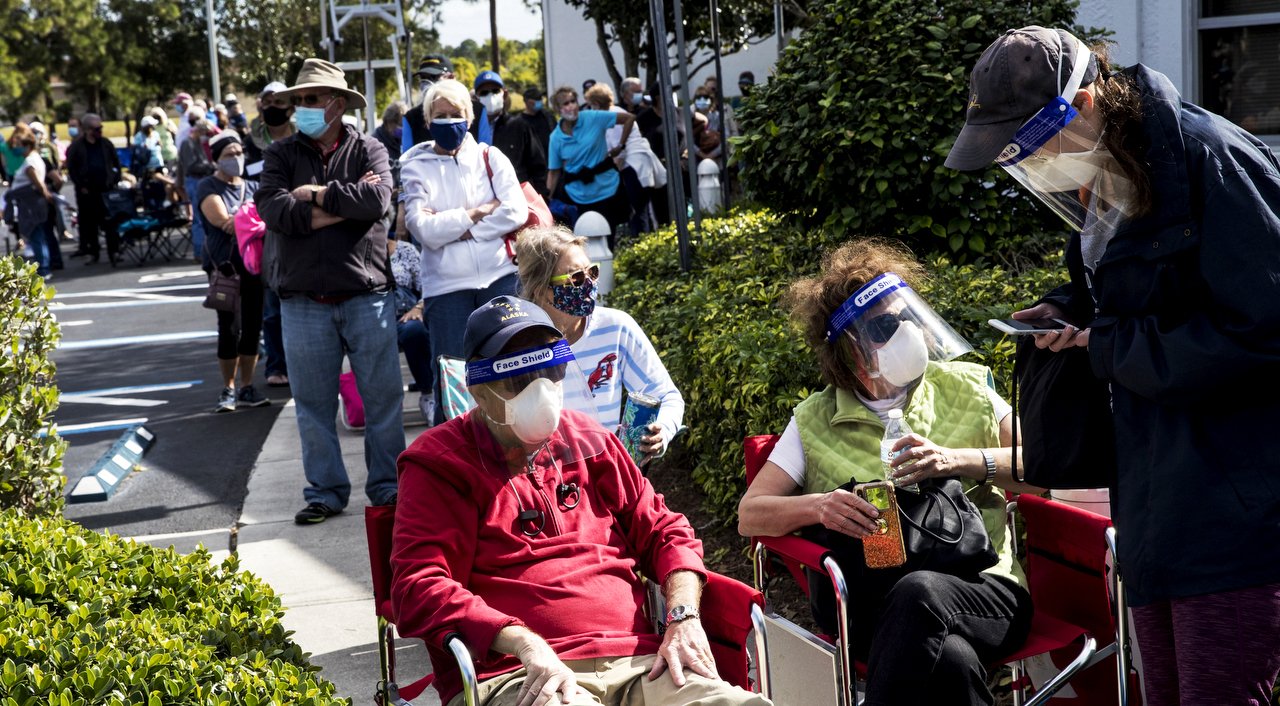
x,y
731,350
87,618
863,107
30,464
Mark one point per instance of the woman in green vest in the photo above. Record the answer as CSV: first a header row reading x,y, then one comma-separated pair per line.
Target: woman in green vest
x,y
880,347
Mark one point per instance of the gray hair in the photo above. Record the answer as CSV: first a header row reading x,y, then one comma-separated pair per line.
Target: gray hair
x,y
394,113
538,251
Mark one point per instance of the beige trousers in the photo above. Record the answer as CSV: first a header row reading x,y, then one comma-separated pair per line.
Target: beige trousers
x,y
623,681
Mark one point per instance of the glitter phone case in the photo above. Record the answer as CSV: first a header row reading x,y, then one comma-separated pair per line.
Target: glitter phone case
x,y
884,549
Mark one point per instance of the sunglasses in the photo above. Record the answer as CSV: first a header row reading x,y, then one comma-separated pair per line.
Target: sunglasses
x,y
488,92
579,277
311,99
881,328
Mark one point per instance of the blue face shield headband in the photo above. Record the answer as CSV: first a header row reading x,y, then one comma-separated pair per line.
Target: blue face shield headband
x,y
861,302
543,361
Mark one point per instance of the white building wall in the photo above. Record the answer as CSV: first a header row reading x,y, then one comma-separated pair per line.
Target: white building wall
x,y
1157,33
573,56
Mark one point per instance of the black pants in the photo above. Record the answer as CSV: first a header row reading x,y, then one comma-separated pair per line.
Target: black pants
x,y
927,639
92,218
238,332
934,634
615,209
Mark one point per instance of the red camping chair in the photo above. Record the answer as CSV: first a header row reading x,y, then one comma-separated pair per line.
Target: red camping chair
x,y
1049,633
731,610
1065,568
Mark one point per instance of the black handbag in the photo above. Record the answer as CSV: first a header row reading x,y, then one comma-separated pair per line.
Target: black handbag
x,y
942,531
224,292
1064,411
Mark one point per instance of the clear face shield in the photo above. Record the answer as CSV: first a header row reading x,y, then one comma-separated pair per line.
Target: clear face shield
x,y
1060,158
524,394
892,333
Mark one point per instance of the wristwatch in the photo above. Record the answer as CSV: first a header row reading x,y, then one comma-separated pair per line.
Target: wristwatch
x,y
991,466
681,612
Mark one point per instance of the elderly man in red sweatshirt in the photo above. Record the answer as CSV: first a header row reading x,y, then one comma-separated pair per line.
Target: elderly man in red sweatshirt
x,y
522,526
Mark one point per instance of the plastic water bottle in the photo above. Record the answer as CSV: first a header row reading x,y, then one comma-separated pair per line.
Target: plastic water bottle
x,y
894,429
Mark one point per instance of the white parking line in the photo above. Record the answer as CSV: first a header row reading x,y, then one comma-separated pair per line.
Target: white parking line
x,y
130,291
56,307
91,427
130,340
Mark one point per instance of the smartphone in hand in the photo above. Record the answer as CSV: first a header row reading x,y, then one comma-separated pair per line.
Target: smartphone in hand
x,y
1022,327
884,549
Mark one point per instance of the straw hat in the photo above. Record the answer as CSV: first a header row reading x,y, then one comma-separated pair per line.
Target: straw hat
x,y
318,73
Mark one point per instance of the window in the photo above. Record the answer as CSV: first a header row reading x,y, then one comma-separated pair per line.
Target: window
x,y
1239,62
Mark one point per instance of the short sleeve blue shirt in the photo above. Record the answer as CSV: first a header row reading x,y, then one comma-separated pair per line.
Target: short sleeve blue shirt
x,y
582,150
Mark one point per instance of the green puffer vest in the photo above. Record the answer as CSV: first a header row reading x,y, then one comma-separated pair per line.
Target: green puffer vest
x,y
950,407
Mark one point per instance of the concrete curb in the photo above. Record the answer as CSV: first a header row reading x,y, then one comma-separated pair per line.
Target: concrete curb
x,y
321,572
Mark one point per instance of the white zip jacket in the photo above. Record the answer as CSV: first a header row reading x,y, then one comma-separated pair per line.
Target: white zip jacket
x,y
438,191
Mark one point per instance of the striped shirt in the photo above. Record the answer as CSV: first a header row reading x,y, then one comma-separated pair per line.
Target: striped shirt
x,y
615,354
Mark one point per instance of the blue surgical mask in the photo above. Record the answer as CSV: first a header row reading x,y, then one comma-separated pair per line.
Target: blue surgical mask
x,y
73,131
702,103
448,132
637,98
537,105
311,121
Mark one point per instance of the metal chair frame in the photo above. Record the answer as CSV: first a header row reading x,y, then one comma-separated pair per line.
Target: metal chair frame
x,y
848,667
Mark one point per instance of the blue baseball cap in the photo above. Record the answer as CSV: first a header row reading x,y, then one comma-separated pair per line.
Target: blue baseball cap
x,y
496,322
488,77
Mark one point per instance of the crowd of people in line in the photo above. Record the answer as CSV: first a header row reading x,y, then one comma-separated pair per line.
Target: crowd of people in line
x,y
521,525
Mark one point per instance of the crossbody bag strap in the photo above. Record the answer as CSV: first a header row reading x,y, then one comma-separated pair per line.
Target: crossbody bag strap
x,y
936,492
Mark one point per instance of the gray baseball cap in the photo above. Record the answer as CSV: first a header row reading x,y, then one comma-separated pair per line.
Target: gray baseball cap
x,y
1020,73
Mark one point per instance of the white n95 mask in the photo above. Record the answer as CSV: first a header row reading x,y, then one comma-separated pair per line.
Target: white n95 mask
x,y
903,358
534,414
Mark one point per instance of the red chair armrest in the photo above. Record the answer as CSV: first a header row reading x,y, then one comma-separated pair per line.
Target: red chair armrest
x,y
793,548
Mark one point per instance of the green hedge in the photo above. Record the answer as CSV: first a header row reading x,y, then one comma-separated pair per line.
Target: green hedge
x,y
862,109
30,464
731,349
93,619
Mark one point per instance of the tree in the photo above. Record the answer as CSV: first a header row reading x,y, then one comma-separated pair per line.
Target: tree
x,y
853,128
269,39
626,24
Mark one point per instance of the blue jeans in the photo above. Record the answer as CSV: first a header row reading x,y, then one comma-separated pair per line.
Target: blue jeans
x,y
38,241
446,317
197,227
316,336
272,338
416,344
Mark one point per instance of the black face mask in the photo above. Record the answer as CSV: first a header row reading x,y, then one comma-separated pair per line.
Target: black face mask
x,y
275,116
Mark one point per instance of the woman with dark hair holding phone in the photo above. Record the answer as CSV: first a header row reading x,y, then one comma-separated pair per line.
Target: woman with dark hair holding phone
x,y
881,349
1174,266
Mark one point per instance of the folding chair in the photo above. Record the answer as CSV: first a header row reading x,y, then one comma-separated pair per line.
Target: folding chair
x,y
453,387
732,611
125,224
170,222
1048,632
1066,566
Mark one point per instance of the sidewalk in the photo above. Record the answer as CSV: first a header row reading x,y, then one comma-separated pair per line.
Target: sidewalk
x,y
321,572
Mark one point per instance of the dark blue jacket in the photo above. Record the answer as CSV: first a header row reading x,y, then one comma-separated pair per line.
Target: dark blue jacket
x,y
1188,334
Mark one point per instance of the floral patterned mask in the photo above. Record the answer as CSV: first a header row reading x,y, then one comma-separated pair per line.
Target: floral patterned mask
x,y
575,299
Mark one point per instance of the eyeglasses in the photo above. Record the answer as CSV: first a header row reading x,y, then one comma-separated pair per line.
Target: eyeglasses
x,y
487,92
515,385
579,277
881,328
312,99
